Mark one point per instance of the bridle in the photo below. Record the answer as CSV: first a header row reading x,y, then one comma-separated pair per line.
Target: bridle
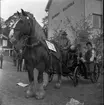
x,y
26,37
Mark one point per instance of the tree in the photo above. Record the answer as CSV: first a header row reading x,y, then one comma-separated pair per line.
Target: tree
x,y
1,24
82,29
9,22
98,40
85,32
45,25
6,31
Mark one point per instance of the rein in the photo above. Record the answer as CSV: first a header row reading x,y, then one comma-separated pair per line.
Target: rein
x,y
33,44
27,45
25,38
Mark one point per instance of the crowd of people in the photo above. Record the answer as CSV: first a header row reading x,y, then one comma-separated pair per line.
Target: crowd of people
x,y
87,58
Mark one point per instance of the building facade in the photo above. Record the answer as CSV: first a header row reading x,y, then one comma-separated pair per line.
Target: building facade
x,y
61,12
5,44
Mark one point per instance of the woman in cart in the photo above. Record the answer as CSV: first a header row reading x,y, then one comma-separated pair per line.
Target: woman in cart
x,y
89,58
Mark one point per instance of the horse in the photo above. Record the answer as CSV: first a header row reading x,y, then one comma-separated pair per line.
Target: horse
x,y
39,59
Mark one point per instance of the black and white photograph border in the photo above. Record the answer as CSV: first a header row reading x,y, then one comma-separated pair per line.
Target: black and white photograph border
x,y
51,52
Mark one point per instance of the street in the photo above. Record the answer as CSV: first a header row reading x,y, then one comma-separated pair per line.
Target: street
x,y
12,94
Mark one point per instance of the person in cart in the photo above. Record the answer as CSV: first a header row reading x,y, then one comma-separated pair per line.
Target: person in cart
x,y
80,57
89,57
64,43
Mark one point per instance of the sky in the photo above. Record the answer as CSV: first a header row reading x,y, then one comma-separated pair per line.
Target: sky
x,y
36,7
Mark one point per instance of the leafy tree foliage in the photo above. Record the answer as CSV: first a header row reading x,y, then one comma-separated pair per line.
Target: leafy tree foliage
x,y
84,32
45,25
1,24
9,22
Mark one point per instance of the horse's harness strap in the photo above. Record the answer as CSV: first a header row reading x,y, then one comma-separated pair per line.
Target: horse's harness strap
x,y
50,54
32,45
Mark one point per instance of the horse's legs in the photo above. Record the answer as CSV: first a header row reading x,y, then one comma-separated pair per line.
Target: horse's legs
x,y
40,77
58,84
20,64
23,65
40,92
14,61
30,90
17,64
45,79
59,81
1,63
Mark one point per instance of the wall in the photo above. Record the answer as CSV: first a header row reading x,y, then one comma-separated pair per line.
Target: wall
x,y
60,10
75,13
93,6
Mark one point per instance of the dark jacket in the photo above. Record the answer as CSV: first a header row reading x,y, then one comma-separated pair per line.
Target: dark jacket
x,y
64,42
88,55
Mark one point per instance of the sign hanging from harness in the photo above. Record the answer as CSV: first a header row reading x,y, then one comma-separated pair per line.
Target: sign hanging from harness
x,y
51,46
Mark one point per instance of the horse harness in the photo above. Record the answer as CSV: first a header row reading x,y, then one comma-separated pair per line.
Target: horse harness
x,y
25,39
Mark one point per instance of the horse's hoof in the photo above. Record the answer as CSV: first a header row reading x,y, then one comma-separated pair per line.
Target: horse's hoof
x,y
40,95
58,85
29,94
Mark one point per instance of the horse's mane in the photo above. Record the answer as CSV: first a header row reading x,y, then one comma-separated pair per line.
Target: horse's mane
x,y
38,29
30,14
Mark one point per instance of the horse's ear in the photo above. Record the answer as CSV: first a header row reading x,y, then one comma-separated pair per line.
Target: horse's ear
x,y
18,13
23,12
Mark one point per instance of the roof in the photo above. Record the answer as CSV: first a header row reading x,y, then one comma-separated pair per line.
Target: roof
x,y
48,5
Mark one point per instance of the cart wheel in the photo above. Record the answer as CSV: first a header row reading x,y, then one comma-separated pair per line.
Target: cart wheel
x,y
50,77
75,76
95,74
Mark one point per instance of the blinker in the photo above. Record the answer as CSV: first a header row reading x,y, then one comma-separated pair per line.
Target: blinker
x,y
27,17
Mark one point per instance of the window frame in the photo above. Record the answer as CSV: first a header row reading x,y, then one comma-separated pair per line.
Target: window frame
x,y
95,14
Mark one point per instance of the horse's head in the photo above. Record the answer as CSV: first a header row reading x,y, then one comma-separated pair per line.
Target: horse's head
x,y
21,28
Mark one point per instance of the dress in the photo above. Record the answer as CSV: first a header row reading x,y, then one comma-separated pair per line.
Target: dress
x,y
89,57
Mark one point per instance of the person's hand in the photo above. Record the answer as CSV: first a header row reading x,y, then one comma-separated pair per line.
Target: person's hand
x,y
91,59
83,59
65,48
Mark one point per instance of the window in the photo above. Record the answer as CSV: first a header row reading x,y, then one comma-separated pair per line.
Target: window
x,y
97,21
4,42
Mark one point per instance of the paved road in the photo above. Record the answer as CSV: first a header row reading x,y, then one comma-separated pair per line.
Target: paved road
x,y
11,94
